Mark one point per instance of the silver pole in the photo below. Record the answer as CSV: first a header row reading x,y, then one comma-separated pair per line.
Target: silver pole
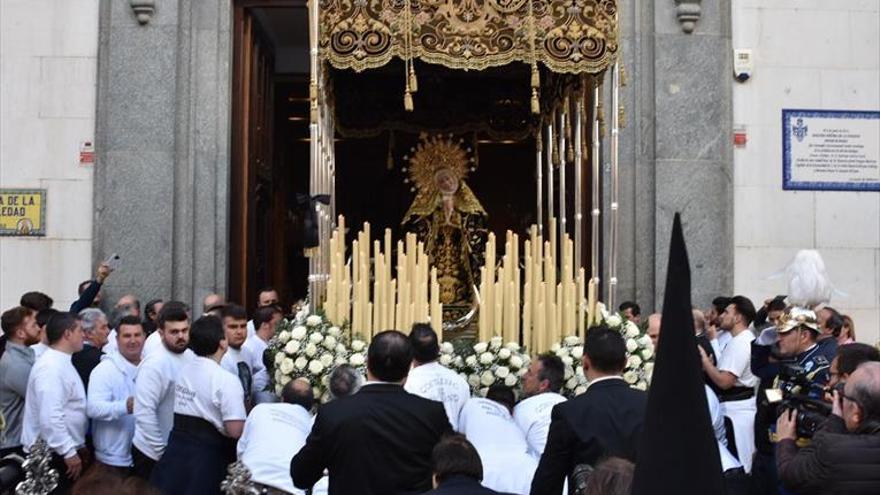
x,y
562,189
578,178
615,148
549,165
596,210
539,173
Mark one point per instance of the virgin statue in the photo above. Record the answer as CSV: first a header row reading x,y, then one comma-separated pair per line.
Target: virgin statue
x,y
446,216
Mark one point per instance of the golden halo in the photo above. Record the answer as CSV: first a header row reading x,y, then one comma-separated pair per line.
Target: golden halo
x,y
434,153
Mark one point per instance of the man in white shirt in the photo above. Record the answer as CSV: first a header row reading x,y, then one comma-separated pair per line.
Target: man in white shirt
x,y
432,380
489,426
266,297
154,340
237,360
266,320
540,386
266,458
733,376
154,388
111,397
209,417
55,404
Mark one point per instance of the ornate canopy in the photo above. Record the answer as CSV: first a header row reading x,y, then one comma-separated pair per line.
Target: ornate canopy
x,y
567,36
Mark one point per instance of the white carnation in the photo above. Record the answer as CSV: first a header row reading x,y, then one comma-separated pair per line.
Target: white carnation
x,y
285,380
311,350
316,338
579,371
298,332
496,342
458,362
613,320
572,340
567,360
471,360
480,347
631,377
279,357
555,347
634,361
334,331
356,359
327,360
568,373
313,320
286,365
571,383
504,353
632,330
647,353
445,359
510,380
292,347
562,352
516,362
473,381
301,363
340,360
487,378
513,346
284,336
315,367
447,348
502,372
340,349
329,342
358,345
577,352
487,358
579,390
645,340
631,345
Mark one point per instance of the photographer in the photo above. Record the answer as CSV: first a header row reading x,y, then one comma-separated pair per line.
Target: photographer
x,y
844,456
788,361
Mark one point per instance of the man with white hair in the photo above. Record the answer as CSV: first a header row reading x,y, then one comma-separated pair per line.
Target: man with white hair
x,y
96,335
488,425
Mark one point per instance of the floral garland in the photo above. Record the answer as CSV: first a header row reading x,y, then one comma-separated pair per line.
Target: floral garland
x,y
486,363
309,347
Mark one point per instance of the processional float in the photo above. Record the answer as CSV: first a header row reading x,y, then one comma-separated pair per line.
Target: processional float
x,y
569,46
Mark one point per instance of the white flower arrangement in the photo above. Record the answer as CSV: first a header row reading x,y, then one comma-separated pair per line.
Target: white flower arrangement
x,y
310,347
487,363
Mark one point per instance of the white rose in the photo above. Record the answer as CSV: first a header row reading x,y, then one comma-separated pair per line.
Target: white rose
x,y
510,380
634,361
631,377
285,380
555,347
286,365
284,336
327,360
579,390
458,362
316,392
480,347
579,371
504,353
471,360
649,367
567,360
495,342
445,359
602,310
516,362
340,349
447,348
571,383
329,342
315,367
334,331
298,333
613,320
311,350
577,352
358,345
301,363
278,358
632,330
572,340
316,338
641,386
356,359
647,353
522,371
340,360
502,372
473,381
631,345
645,341
487,358
513,346
568,372
313,320
487,378
292,347
562,352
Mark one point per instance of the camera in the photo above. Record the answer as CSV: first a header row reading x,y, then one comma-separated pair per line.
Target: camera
x,y
798,393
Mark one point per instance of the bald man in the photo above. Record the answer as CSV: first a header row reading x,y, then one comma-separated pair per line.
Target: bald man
x,y
654,328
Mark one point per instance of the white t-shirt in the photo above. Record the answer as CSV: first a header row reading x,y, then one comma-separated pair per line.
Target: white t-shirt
x,y
154,399
436,382
206,391
151,345
507,465
736,358
39,348
722,338
259,448
532,416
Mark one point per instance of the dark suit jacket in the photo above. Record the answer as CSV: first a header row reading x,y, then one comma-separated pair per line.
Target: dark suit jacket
x,y
462,485
375,442
604,421
85,361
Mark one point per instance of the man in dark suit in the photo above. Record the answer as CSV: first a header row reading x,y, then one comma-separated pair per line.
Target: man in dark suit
x,y
379,440
458,469
604,421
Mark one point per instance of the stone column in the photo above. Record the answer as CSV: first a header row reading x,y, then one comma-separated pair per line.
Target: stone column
x,y
162,142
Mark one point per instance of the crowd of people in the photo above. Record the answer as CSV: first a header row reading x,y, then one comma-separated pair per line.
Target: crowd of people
x,y
158,400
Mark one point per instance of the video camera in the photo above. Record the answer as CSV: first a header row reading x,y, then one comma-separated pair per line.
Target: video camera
x,y
796,392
